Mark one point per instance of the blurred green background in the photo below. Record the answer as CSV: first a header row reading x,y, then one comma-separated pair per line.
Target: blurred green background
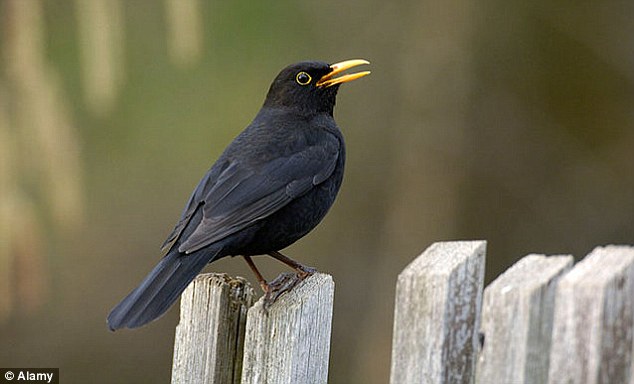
x,y
511,122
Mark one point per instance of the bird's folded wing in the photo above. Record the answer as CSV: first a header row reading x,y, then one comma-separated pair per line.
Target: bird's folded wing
x,y
241,195
196,198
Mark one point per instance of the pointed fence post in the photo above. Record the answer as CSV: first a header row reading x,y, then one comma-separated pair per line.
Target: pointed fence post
x,y
517,320
437,312
290,343
210,334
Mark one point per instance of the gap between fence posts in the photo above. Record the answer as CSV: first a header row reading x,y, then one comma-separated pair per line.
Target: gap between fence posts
x,y
210,335
436,315
517,319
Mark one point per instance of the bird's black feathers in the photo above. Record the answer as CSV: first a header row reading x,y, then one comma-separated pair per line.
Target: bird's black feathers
x,y
245,192
286,92
272,184
160,288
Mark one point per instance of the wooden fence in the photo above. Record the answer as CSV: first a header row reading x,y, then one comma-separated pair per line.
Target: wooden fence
x,y
541,321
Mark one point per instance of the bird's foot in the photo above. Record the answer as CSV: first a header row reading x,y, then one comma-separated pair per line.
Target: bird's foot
x,y
305,271
285,282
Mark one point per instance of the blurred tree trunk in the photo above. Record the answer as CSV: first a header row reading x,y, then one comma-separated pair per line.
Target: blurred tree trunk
x,y
42,157
101,40
432,67
184,31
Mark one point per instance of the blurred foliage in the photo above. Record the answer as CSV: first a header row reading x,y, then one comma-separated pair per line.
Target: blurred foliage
x,y
510,122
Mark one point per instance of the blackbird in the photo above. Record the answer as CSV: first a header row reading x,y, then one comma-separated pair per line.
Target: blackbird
x,y
271,186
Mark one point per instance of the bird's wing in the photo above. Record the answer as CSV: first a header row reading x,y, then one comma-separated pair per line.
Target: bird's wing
x,y
196,198
242,195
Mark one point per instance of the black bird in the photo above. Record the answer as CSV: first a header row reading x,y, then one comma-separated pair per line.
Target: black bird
x,y
271,186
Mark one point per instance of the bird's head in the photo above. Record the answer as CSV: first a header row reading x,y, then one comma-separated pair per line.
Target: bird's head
x,y
311,86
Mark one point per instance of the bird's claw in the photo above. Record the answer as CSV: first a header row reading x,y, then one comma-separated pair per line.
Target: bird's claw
x,y
285,282
304,272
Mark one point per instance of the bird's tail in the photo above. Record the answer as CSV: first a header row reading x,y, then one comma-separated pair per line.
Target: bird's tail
x,y
160,288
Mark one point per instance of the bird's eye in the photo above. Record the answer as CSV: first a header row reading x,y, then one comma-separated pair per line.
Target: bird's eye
x,y
303,78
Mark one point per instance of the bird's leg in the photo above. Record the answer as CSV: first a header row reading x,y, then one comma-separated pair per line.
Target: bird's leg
x,y
302,270
273,290
284,282
263,284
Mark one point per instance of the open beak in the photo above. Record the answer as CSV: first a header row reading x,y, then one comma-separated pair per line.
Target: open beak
x,y
329,80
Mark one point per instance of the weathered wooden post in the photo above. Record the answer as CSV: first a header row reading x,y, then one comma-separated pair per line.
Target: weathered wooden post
x,y
290,342
437,312
594,320
210,334
517,318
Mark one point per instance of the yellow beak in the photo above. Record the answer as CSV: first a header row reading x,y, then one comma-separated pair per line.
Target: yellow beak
x,y
329,80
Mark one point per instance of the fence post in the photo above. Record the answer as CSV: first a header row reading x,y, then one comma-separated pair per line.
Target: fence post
x,y
594,320
210,334
290,343
517,318
436,316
